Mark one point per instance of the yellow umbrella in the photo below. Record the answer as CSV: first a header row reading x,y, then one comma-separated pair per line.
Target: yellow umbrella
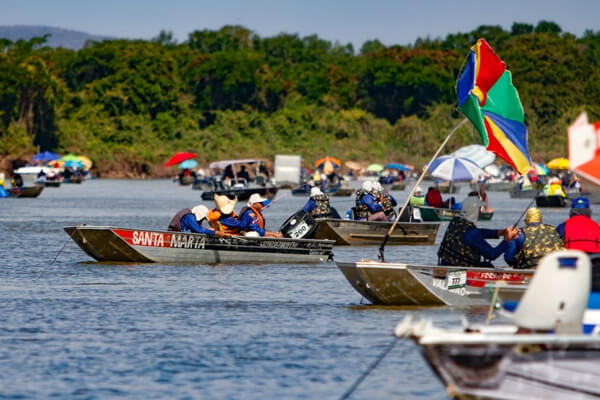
x,y
558,163
87,163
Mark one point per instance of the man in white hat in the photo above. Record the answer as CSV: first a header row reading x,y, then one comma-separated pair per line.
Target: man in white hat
x,y
187,220
318,204
251,217
367,207
465,244
418,198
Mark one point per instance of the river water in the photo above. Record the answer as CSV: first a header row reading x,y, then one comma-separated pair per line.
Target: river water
x,y
74,328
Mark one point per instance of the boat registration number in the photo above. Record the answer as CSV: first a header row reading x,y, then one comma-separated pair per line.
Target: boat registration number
x,y
299,230
456,279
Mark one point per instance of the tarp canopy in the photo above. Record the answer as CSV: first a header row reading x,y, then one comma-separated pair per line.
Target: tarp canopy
x,y
46,156
225,163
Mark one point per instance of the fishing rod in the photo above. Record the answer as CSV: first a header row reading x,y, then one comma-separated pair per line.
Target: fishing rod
x,y
527,208
389,232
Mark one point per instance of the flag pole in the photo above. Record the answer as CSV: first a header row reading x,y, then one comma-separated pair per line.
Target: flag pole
x,y
389,232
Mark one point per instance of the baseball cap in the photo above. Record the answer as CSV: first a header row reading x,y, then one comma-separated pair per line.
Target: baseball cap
x,y
580,202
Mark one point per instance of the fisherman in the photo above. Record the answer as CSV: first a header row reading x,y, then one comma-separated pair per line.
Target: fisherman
x,y
554,188
580,232
484,198
367,208
386,200
464,243
187,220
317,205
433,198
418,198
223,218
243,174
534,241
252,219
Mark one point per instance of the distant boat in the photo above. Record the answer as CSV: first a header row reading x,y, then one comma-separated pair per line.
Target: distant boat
x,y
26,191
433,214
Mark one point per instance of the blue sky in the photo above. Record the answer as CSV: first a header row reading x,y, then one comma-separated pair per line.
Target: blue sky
x,y
355,21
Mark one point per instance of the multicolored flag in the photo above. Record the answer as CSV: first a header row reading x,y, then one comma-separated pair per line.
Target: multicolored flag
x,y
489,100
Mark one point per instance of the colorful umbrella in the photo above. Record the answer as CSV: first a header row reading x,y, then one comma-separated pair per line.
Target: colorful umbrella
x,y
179,157
539,169
188,164
74,164
558,163
46,156
87,163
375,167
70,157
401,167
476,153
489,100
352,165
450,168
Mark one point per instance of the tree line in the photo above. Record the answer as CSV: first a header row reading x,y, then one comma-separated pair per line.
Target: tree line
x,y
129,104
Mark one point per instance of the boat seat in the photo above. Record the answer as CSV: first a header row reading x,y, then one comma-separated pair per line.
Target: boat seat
x,y
557,295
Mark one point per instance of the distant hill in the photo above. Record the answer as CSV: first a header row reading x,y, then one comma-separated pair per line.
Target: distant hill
x,y
66,38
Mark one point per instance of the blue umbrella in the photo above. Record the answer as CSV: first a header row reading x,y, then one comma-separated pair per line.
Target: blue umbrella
x,y
188,164
401,167
46,156
450,168
74,164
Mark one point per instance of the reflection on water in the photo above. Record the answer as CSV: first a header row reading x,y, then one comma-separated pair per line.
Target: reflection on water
x,y
77,328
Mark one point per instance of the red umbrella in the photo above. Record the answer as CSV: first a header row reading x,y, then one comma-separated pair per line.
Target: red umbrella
x,y
179,157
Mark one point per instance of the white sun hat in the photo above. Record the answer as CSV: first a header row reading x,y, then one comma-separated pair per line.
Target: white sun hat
x,y
315,191
256,198
200,211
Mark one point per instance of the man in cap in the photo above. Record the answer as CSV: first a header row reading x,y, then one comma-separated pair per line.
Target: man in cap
x,y
534,241
317,205
465,244
580,232
418,198
187,220
367,207
222,218
252,219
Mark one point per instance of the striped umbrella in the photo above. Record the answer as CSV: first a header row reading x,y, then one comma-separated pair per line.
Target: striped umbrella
x,y
476,153
450,168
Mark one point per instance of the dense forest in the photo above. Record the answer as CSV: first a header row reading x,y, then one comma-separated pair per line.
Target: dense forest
x,y
130,104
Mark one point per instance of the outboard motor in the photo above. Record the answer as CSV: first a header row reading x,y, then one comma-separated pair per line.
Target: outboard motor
x,y
298,226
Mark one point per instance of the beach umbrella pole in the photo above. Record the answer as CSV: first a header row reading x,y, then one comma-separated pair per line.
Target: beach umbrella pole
x,y
412,191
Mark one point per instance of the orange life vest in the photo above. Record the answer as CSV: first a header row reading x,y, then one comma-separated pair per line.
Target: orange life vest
x,y
214,219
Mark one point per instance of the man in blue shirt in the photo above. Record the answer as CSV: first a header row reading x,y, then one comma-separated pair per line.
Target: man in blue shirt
x,y
187,220
252,220
465,244
318,204
367,206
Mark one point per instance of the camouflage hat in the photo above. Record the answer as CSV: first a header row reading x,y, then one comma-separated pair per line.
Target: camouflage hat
x,y
533,215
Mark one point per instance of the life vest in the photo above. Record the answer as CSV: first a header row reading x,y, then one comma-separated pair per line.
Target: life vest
x,y
540,239
417,201
214,219
453,251
582,233
175,224
361,211
387,206
433,198
259,217
322,208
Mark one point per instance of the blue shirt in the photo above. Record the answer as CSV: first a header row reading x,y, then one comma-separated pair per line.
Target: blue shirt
x,y
370,202
231,222
189,224
309,206
249,222
475,238
561,230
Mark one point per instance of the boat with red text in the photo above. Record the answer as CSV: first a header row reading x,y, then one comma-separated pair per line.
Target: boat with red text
x,y
402,284
112,244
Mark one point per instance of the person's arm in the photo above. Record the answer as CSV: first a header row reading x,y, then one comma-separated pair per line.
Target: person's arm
x,y
309,206
561,230
370,203
393,200
513,248
189,223
475,238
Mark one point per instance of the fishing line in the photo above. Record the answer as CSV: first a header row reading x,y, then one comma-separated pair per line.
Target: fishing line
x,y
374,365
63,247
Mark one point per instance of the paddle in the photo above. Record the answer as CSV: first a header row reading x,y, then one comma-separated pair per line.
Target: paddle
x,y
389,232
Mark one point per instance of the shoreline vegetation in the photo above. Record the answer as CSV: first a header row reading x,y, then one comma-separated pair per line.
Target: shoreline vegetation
x,y
130,104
